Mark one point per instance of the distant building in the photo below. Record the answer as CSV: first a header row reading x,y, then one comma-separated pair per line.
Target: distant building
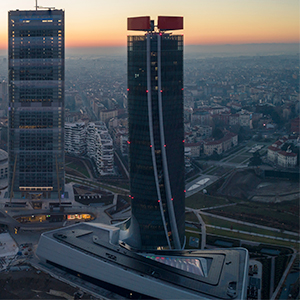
x,y
245,120
75,138
93,140
3,94
187,157
273,153
219,146
106,115
200,117
295,125
3,164
233,119
287,159
213,146
194,149
106,166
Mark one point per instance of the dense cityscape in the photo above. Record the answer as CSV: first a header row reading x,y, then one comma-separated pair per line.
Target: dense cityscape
x,y
241,155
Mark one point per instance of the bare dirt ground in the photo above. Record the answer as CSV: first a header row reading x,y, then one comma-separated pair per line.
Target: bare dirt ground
x,y
247,185
266,201
33,284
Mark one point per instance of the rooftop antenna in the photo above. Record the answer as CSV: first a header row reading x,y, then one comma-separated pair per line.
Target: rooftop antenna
x,y
36,6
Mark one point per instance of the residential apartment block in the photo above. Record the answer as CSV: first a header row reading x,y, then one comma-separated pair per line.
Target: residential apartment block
x,y
93,140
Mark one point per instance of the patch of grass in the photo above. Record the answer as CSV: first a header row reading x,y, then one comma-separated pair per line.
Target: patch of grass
x,y
279,215
200,200
241,236
79,167
190,216
227,224
189,228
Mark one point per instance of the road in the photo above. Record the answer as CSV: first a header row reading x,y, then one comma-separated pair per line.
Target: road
x,y
203,226
199,183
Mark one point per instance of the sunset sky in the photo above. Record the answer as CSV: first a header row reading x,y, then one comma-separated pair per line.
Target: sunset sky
x,y
96,23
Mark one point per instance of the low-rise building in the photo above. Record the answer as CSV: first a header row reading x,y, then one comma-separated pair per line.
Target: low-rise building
x,y
287,159
106,115
228,141
194,149
273,153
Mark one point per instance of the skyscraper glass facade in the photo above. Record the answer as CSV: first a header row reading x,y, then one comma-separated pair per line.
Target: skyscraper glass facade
x,y
156,138
36,104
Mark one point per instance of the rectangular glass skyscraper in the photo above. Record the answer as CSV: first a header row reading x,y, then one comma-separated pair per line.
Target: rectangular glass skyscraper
x,y
36,104
156,135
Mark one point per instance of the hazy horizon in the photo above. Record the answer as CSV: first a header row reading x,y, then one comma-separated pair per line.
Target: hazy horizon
x,y
193,51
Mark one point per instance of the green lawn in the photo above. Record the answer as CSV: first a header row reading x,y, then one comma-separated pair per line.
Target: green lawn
x,y
79,167
190,216
227,224
248,237
278,215
200,200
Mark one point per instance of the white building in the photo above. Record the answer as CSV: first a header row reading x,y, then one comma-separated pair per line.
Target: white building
x,y
287,159
106,166
244,119
187,157
228,141
94,140
75,138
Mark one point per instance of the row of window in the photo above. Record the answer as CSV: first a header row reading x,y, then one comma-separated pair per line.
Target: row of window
x,y
39,32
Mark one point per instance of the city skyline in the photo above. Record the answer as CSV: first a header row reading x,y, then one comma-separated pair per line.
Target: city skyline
x,y
221,22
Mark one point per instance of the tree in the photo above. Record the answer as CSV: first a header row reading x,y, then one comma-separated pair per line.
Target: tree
x,y
255,160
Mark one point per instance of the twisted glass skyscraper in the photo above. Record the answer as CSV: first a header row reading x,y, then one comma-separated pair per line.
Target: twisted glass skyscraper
x,y
156,135
36,104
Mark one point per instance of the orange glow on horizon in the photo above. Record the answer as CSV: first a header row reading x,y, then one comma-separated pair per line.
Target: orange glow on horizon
x,y
218,22
74,40
194,40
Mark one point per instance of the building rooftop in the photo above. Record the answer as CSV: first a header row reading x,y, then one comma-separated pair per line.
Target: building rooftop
x,y
164,274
